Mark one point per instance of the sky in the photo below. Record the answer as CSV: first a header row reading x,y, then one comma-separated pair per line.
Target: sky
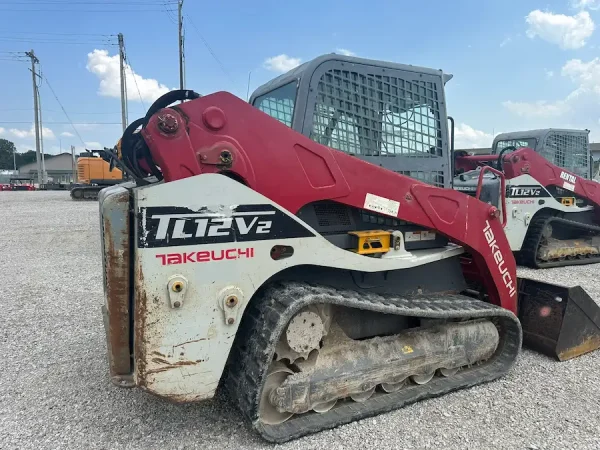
x,y
517,64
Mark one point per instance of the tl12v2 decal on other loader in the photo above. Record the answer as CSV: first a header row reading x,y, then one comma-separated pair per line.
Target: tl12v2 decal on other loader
x,y
336,316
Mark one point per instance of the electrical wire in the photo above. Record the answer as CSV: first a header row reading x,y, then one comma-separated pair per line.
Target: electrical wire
x,y
134,78
56,110
64,111
50,41
210,50
21,122
79,2
171,16
62,34
71,10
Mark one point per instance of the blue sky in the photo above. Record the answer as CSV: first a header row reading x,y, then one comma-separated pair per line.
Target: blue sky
x,y
517,64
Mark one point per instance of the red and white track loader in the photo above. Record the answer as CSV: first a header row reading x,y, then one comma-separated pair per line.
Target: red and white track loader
x,y
550,200
284,250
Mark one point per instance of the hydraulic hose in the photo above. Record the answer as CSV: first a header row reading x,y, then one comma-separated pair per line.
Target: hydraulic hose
x,y
135,154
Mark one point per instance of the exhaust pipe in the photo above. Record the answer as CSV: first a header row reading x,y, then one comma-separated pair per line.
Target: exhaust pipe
x,y
558,321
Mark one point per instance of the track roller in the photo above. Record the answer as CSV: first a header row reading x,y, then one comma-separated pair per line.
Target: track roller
x,y
350,379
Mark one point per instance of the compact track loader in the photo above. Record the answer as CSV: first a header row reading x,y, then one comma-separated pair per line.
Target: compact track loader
x,y
305,252
550,199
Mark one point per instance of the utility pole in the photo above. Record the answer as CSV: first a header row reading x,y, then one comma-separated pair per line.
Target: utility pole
x,y
73,163
181,57
44,173
123,81
34,60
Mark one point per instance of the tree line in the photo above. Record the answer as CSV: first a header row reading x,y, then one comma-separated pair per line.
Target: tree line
x,y
7,149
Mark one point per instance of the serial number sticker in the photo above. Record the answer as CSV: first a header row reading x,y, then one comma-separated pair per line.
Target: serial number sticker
x,y
412,236
427,236
568,186
381,205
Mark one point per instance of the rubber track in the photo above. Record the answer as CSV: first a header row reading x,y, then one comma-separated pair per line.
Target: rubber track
x,y
266,317
84,199
531,243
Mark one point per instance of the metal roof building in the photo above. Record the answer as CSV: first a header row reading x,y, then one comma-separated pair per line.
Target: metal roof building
x,y
58,168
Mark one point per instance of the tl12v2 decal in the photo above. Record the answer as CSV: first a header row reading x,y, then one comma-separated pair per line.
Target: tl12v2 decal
x,y
171,226
526,191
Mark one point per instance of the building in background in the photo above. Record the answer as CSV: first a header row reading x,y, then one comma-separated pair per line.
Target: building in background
x,y
59,169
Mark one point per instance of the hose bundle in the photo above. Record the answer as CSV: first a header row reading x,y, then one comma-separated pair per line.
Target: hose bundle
x,y
135,159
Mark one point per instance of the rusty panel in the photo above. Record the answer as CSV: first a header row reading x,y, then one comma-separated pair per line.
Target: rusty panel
x,y
114,217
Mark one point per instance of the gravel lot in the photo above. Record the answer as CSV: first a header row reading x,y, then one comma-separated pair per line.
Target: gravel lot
x,y
55,392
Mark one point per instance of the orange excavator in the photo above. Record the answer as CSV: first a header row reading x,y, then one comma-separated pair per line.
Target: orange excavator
x,y
93,175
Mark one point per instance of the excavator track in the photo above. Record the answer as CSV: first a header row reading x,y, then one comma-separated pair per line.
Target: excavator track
x,y
86,193
574,255
267,317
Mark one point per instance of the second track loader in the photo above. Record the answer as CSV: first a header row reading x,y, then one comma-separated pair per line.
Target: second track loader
x,y
550,200
285,251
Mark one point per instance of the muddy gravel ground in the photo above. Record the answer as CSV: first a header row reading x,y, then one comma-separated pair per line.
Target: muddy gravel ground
x,y
55,391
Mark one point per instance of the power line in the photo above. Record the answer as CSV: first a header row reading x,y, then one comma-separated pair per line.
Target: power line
x,y
63,109
215,57
79,2
56,110
71,10
135,81
171,16
15,122
62,34
48,41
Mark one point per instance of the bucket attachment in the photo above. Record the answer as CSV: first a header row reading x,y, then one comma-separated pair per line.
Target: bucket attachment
x,y
558,321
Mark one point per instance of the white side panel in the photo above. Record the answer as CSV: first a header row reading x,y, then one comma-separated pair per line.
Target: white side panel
x,y
180,352
521,209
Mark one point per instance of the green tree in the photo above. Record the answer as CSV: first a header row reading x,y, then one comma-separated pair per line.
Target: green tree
x,y
7,148
27,157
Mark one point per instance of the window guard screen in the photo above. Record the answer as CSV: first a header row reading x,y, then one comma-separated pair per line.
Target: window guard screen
x,y
569,151
517,143
376,115
279,103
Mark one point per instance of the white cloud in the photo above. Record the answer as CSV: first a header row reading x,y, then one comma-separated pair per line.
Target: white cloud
x,y
47,133
345,52
67,134
583,4
93,145
106,68
568,32
2,131
466,136
549,73
585,76
281,63
506,41
539,109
